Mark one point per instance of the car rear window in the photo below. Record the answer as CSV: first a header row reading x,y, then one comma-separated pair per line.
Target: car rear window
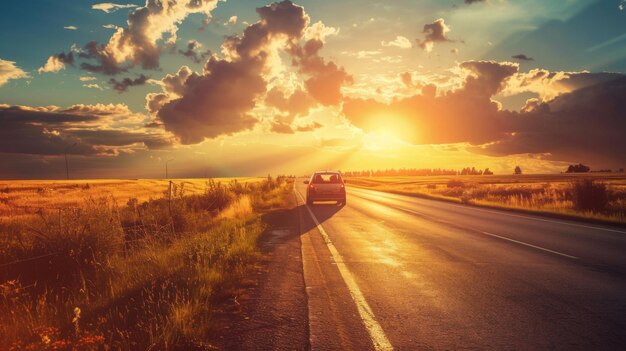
x,y
326,178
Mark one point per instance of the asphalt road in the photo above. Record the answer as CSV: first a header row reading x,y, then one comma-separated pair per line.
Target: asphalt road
x,y
396,272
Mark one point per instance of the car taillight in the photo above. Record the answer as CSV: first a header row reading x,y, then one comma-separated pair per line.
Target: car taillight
x,y
342,188
311,187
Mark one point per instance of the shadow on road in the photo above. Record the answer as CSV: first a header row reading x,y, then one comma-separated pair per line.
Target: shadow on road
x,y
322,212
288,218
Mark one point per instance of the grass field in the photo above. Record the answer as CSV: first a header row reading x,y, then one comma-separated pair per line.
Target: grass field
x,y
31,196
121,266
597,196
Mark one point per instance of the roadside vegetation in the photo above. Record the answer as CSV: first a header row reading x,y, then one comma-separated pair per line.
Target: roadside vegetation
x,y
591,196
131,275
27,197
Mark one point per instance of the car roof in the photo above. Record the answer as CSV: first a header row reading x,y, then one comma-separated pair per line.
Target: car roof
x,y
327,172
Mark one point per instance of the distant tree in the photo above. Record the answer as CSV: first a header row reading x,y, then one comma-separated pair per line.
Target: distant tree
x,y
518,170
487,172
579,168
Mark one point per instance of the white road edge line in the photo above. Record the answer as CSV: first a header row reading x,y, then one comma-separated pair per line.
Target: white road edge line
x,y
379,339
530,245
499,212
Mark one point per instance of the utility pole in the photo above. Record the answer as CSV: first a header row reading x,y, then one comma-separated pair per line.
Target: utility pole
x,y
67,167
166,162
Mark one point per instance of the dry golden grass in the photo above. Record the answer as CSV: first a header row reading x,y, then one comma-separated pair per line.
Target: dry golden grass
x,y
30,196
551,193
131,275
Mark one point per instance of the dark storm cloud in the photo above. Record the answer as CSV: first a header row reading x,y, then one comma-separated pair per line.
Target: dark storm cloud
x,y
122,86
46,131
586,125
522,57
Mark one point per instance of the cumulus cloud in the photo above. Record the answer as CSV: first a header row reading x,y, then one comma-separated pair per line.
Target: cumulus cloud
x,y
297,104
86,78
8,71
400,42
108,7
433,33
487,78
231,20
70,27
319,31
548,85
220,101
522,57
173,87
284,128
122,86
56,63
585,124
91,129
192,52
149,30
325,78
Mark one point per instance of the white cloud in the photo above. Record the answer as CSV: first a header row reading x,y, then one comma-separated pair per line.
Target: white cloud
x,y
319,30
231,20
54,64
109,26
87,78
8,70
140,41
400,41
71,27
93,86
110,7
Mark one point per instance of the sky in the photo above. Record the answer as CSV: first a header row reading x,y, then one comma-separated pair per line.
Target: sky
x,y
245,88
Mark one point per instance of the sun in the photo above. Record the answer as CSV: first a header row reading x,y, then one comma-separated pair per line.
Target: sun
x,y
386,138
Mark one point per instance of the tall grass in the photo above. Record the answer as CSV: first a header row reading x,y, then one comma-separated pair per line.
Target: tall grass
x,y
133,276
578,197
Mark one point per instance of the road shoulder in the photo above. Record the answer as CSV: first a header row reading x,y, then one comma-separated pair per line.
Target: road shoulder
x,y
269,311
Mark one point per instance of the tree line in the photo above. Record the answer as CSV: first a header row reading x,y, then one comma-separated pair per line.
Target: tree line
x,y
417,172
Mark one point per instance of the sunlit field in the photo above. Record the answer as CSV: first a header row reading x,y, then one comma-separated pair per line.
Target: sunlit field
x,y
124,265
33,196
600,196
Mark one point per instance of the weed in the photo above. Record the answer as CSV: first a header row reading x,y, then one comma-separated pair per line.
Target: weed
x,y
588,195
